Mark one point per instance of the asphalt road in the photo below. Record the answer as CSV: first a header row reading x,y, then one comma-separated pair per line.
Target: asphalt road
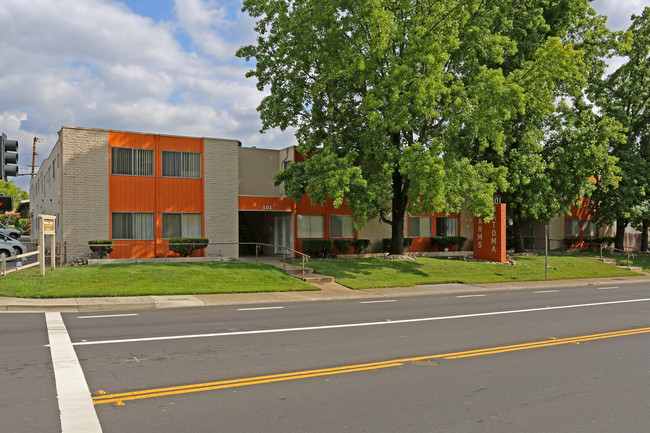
x,y
563,360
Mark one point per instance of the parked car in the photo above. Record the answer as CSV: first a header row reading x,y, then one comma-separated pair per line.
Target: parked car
x,y
10,232
10,244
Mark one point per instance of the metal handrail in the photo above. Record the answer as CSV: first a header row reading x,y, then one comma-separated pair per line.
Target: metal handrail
x,y
284,253
614,249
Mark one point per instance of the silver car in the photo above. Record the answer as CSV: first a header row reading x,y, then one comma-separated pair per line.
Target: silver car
x,y
10,232
10,246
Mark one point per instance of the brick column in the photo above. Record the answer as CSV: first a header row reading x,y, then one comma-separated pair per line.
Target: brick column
x,y
490,237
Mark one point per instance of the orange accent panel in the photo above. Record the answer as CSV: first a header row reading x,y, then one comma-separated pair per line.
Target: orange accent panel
x,y
267,203
155,194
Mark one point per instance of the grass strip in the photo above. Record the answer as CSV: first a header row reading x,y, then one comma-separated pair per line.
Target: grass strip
x,y
379,272
141,279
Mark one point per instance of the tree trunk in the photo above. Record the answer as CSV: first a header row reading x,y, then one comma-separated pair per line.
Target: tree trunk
x,y
620,234
400,200
644,235
518,232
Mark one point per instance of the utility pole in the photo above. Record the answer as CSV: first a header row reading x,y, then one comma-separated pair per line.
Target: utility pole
x,y
34,155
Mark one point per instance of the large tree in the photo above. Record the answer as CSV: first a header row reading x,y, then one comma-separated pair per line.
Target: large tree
x,y
625,96
380,92
8,188
556,144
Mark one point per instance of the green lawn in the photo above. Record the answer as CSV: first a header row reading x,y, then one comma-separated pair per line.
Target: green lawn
x,y
141,279
640,259
378,272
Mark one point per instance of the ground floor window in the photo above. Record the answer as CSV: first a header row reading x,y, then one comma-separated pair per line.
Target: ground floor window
x,y
571,227
419,227
589,228
133,225
341,226
311,226
181,225
447,226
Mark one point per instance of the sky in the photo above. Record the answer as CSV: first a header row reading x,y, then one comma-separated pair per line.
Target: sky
x,y
158,66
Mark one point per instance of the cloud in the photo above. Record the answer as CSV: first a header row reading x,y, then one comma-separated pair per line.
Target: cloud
x,y
96,63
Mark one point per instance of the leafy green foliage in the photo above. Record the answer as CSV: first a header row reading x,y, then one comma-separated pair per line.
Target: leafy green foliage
x,y
317,247
380,92
446,241
360,245
386,243
101,247
186,246
8,188
342,244
624,95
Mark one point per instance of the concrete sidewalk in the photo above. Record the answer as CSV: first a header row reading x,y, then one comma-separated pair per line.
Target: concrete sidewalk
x,y
326,292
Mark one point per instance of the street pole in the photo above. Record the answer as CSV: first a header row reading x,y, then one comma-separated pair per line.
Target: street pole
x,y
546,249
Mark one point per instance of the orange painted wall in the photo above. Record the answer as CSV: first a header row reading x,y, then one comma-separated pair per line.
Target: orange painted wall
x,y
266,203
305,207
423,244
155,194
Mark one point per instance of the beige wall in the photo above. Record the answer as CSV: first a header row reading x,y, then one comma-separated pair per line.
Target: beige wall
x,y
376,231
84,188
256,170
45,192
221,200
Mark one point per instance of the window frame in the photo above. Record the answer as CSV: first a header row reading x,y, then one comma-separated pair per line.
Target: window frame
x,y
135,152
132,228
441,222
584,230
351,230
183,215
412,225
183,156
572,221
311,218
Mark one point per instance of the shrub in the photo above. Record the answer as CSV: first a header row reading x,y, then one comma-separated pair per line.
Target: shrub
x,y
186,246
386,243
529,242
445,241
360,245
315,247
101,247
342,244
23,225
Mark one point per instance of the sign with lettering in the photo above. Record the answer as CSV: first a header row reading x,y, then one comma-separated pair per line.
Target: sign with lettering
x,y
490,236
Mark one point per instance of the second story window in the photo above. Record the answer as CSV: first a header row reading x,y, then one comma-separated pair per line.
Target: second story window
x,y
132,162
181,164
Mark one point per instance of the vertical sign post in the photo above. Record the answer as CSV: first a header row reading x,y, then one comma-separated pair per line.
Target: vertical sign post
x,y
490,236
546,250
47,228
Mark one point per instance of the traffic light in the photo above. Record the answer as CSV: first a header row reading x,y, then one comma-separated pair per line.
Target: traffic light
x,y
8,157
6,203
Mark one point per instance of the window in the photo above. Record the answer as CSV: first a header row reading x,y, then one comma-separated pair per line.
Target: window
x,y
589,228
447,226
571,227
133,225
181,164
132,162
182,225
419,227
311,226
341,226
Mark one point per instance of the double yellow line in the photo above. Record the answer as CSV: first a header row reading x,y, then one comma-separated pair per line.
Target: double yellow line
x,y
120,398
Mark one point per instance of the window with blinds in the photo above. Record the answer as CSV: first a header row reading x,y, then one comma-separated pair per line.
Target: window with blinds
x,y
181,164
341,226
132,162
447,226
419,227
182,225
133,225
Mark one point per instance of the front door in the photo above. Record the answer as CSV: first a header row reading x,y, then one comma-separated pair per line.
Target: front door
x,y
282,233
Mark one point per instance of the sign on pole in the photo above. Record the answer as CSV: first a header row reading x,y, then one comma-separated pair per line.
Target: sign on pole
x,y
48,224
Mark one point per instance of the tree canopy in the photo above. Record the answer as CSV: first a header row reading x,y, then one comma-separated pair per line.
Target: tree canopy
x,y
8,188
624,95
379,93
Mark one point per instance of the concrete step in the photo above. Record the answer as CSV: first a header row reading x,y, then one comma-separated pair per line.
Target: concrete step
x,y
297,271
317,278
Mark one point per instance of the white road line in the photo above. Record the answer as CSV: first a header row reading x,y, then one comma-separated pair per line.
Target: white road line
x,y
357,325
607,288
378,302
546,291
107,315
75,402
470,296
259,308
